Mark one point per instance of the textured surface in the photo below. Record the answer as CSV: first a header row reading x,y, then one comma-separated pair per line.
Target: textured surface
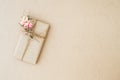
x,y
21,46
83,43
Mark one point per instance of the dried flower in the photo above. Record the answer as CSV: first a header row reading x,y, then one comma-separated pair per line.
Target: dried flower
x,y
27,23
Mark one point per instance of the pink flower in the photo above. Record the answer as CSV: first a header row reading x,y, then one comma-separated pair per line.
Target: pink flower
x,y
28,25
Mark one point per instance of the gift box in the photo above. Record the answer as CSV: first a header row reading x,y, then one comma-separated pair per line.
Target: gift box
x,y
29,47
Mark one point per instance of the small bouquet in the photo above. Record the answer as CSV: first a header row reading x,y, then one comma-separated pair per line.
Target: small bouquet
x,y
28,24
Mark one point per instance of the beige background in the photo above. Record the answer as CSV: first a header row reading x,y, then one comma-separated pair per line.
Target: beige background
x,y
83,42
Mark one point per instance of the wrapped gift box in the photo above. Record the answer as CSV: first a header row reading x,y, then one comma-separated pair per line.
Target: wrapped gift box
x,y
27,49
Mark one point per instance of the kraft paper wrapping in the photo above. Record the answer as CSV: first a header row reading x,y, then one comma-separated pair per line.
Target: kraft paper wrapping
x,y
28,50
21,46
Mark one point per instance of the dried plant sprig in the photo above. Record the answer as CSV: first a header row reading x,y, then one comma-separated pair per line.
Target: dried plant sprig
x,y
27,23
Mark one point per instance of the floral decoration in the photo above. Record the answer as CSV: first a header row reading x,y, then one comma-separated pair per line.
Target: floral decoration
x,y
27,23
